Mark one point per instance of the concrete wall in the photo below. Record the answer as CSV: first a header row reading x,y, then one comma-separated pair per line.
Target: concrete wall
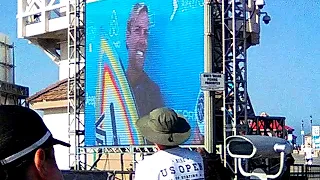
x,y
57,122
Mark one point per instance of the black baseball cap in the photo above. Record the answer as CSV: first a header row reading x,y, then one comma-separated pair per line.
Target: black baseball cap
x,y
22,131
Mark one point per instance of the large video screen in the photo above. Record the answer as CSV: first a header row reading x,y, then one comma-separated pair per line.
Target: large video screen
x,y
142,55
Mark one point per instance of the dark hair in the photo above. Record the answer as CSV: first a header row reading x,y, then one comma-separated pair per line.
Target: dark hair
x,y
19,168
136,10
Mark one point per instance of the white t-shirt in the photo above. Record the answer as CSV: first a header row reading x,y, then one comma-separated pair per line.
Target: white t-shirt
x,y
171,164
308,153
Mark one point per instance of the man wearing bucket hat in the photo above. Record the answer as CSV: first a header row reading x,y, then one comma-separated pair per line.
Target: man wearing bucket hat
x,y
167,130
26,146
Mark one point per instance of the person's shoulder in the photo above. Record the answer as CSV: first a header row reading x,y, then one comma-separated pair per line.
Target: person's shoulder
x,y
189,154
186,150
152,157
195,154
145,162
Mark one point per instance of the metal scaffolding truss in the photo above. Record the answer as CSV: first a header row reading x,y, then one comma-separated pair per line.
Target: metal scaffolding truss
x,y
10,93
130,149
234,65
231,61
76,95
13,94
234,69
135,151
229,57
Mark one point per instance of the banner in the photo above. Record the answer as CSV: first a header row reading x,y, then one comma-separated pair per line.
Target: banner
x,y
142,55
316,137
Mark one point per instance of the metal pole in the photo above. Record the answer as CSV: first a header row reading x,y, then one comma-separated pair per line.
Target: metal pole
x,y
224,152
13,64
208,95
311,143
235,88
302,133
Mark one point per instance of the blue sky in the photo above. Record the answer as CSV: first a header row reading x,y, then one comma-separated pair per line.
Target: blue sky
x,y
33,67
283,71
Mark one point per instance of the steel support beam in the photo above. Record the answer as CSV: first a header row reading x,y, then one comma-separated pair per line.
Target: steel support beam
x,y
234,69
76,95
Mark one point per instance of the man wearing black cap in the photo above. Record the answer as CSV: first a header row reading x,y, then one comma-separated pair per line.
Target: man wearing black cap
x,y
167,131
26,146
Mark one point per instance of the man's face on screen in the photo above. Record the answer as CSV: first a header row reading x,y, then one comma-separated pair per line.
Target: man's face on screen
x,y
137,39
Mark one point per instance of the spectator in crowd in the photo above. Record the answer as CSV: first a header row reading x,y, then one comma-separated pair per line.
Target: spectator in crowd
x,y
26,143
308,152
167,130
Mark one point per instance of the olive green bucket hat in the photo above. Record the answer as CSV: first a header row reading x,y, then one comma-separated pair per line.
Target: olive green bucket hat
x,y
164,126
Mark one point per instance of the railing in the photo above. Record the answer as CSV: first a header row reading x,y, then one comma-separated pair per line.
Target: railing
x,y
302,171
39,11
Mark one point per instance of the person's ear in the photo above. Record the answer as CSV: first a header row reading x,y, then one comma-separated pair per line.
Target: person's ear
x,y
40,163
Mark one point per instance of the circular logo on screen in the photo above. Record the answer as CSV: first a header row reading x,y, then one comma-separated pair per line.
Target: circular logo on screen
x,y
200,111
